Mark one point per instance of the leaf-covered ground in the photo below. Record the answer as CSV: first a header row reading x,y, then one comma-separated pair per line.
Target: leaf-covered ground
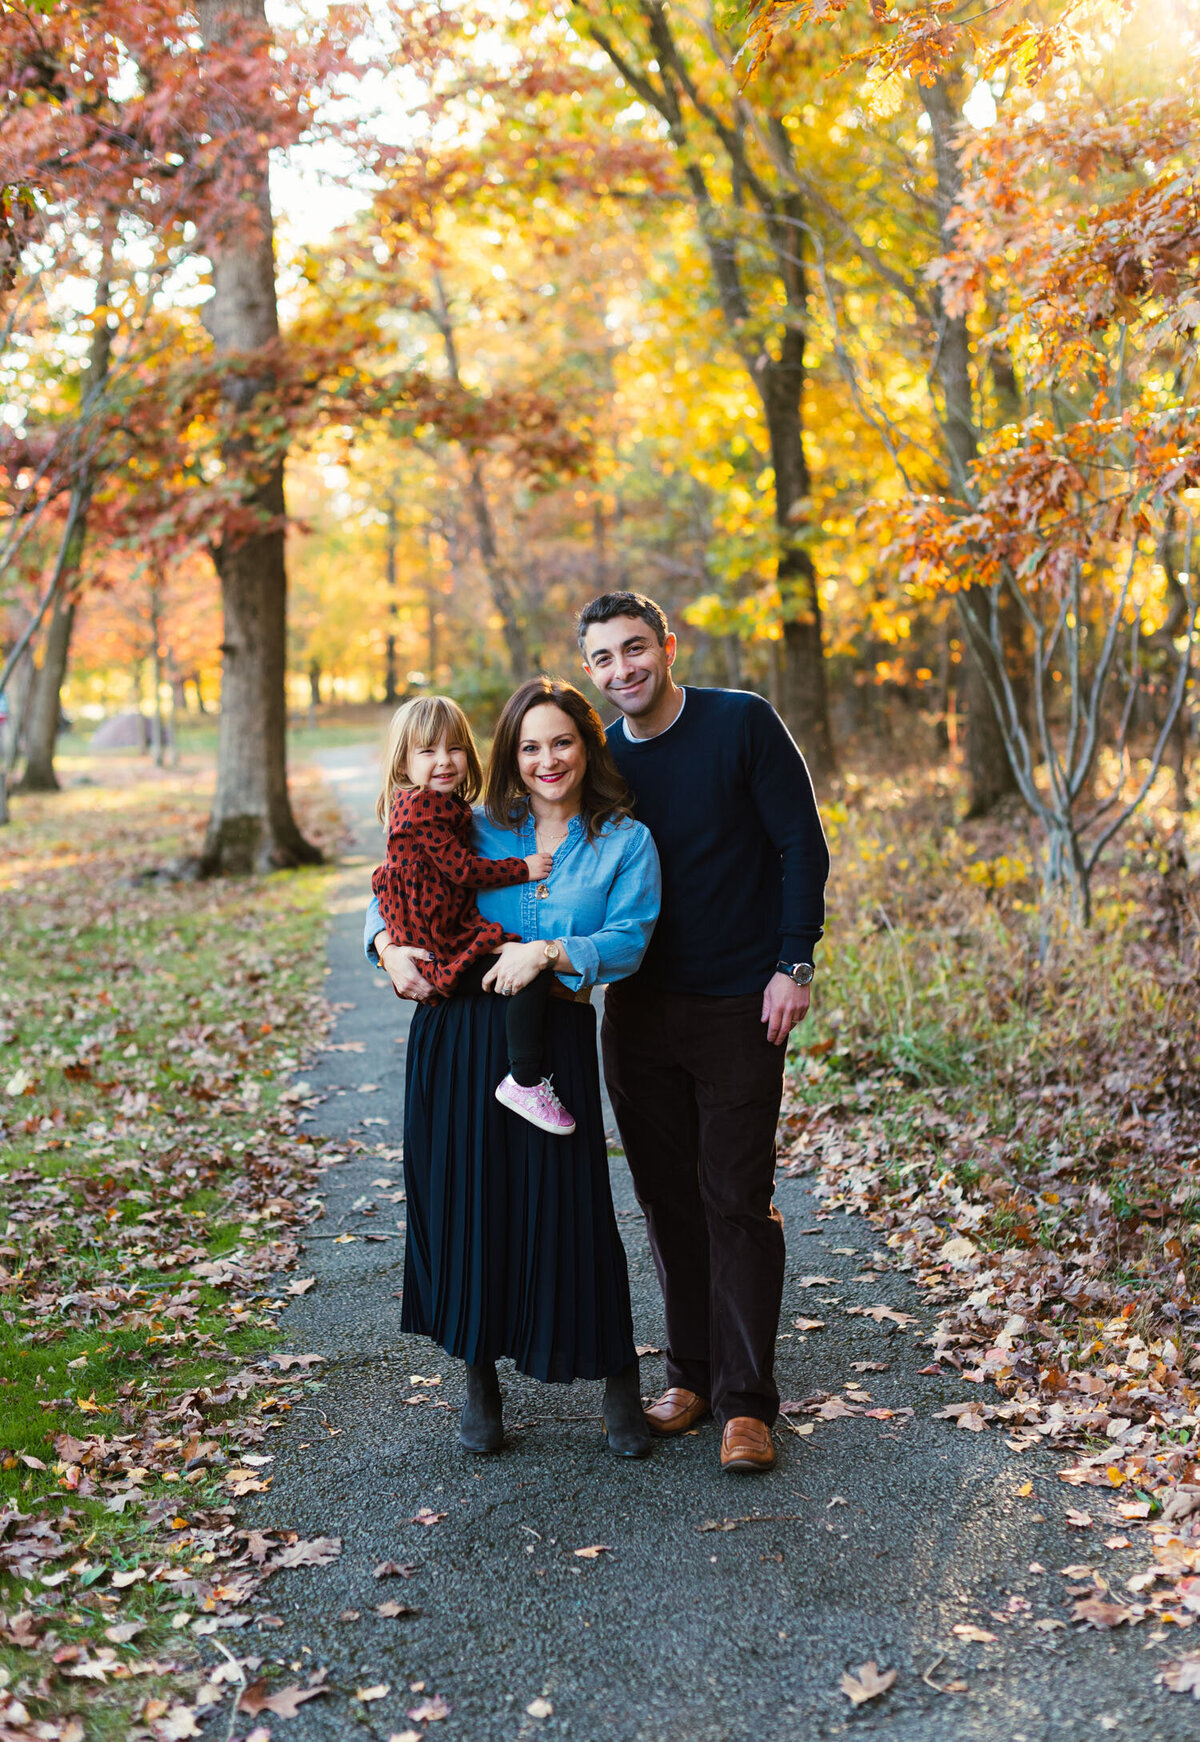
x,y
1021,1114
153,1167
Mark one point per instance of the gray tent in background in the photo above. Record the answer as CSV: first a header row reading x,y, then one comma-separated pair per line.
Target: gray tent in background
x,y
131,731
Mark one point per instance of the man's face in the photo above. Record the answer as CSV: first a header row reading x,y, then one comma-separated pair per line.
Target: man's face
x,y
625,662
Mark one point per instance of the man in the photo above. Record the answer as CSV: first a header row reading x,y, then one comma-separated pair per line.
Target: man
x,y
694,1043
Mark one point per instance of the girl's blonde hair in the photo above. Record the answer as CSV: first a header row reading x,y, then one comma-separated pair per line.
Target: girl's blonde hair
x,y
418,725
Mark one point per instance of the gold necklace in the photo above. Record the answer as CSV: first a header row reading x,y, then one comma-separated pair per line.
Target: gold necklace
x,y
542,893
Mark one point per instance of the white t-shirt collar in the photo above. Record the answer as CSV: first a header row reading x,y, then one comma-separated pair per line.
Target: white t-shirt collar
x,y
653,739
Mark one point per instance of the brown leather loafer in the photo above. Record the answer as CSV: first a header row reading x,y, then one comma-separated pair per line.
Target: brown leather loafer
x,y
746,1445
676,1411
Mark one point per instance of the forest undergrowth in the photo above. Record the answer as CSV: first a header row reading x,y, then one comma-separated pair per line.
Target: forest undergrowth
x,y
1023,1123
154,1169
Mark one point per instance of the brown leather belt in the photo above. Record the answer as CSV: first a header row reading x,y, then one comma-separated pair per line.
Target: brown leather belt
x,y
558,990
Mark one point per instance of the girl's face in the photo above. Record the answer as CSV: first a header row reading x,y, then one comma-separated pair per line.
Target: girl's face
x,y
441,767
551,754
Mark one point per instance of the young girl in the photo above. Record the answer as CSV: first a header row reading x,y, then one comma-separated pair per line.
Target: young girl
x,y
432,772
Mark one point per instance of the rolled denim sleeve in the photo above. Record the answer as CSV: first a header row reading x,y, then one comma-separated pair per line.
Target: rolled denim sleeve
x,y
371,930
615,950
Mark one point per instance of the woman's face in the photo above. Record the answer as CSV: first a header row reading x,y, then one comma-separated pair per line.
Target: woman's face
x,y
551,755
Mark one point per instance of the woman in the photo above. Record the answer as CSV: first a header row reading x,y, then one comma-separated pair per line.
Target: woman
x,y
512,1246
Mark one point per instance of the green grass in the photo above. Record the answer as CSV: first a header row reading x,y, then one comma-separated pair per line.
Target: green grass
x,y
147,1032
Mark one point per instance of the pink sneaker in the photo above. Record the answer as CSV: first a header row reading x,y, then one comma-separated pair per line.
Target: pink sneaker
x,y
539,1104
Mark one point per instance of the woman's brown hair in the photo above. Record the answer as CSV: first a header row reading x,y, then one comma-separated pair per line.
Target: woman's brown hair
x,y
604,798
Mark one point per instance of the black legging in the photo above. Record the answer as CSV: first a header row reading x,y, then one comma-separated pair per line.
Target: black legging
x,y
524,1020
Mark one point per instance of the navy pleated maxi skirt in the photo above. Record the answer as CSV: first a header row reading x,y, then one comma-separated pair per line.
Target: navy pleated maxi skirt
x,y
512,1246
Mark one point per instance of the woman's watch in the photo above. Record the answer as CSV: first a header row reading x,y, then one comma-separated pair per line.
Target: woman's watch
x,y
799,972
552,953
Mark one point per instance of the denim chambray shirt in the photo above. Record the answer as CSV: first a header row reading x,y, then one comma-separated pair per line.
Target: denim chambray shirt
x,y
602,897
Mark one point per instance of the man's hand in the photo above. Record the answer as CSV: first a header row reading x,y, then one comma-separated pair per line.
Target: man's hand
x,y
784,1005
399,963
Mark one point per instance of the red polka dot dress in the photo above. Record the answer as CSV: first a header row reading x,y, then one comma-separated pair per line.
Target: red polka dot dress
x,y
424,887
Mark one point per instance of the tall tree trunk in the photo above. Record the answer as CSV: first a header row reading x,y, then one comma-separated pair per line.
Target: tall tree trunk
x,y
45,715
664,81
802,677
46,709
390,689
989,773
251,827
499,577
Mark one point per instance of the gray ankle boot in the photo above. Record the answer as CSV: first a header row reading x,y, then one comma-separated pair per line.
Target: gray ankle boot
x,y
481,1425
624,1418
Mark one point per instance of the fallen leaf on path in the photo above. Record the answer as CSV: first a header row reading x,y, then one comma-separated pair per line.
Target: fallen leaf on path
x,y
809,1324
1183,1677
301,1284
816,1281
318,1552
392,1609
1079,1520
286,1362
1099,1614
394,1570
540,1708
429,1711
880,1313
866,1683
283,1703
969,1415
646,1349
379,1692
836,1408
587,1554
869,1366
979,1635
349,1615
427,1516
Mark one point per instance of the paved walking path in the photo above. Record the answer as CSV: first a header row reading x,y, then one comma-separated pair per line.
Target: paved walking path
x,y
872,1539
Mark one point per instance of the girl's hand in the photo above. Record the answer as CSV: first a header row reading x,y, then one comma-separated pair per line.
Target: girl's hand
x,y
540,865
517,966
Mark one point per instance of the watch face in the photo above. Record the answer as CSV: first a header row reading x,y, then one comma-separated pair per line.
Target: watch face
x,y
802,973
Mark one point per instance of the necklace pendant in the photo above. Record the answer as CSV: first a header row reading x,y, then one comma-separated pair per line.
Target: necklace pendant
x,y
543,893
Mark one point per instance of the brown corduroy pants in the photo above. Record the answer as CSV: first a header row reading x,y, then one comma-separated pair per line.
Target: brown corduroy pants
x,y
696,1087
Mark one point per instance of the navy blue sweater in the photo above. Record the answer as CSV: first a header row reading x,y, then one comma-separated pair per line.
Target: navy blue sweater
x,y
726,795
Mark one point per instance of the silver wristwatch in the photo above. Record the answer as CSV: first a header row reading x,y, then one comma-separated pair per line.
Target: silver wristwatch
x,y
800,972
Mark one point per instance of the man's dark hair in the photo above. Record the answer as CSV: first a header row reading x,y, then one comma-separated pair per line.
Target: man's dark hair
x,y
606,606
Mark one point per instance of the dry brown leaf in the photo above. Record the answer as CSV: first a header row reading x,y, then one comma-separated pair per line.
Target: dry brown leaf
x,y
540,1708
1184,1677
379,1692
283,1703
301,1284
978,1635
427,1516
391,1609
1079,1520
318,1552
394,1570
1099,1614
809,1324
866,1683
589,1554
